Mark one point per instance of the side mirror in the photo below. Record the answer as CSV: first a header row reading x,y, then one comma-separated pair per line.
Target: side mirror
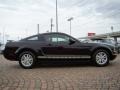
x,y
71,41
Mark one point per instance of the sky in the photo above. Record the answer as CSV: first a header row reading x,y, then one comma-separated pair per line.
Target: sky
x,y
19,18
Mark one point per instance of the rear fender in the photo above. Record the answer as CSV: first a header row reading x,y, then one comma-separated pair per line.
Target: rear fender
x,y
35,51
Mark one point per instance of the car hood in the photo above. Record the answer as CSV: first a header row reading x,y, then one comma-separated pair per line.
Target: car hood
x,y
100,44
113,45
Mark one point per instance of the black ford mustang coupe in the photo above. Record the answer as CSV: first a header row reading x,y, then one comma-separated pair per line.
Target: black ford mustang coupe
x,y
57,46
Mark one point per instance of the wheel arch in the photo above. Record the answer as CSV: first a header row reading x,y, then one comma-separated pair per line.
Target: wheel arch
x,y
23,52
103,48
20,50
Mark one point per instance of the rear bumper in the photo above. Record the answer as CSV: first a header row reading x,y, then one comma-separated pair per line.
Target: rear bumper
x,y
9,56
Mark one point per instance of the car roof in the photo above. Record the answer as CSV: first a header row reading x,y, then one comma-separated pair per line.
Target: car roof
x,y
52,33
48,33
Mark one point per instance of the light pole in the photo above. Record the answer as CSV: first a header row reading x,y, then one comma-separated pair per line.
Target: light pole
x,y
38,28
56,17
51,26
112,29
70,23
0,38
3,34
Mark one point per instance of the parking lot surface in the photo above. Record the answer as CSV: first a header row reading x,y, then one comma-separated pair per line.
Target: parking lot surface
x,y
59,77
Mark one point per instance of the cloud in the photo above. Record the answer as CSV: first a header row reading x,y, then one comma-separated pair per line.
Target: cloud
x,y
89,16
107,8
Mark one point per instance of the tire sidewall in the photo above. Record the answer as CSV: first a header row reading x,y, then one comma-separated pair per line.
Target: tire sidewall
x,y
94,58
33,56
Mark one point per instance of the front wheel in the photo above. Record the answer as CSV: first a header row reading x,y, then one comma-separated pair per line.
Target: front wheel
x,y
27,60
101,58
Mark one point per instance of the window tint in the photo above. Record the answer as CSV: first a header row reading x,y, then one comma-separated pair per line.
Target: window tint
x,y
57,38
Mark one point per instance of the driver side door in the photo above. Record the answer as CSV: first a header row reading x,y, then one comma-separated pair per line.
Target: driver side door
x,y
60,45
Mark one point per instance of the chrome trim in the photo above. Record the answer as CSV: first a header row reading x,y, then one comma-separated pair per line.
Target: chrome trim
x,y
65,57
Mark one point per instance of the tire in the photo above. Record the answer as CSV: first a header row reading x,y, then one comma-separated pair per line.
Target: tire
x,y
27,60
101,58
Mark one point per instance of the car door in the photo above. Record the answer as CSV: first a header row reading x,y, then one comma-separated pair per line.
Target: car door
x,y
63,45
51,46
71,47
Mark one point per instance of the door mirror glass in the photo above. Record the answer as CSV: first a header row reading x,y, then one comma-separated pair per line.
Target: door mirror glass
x,y
71,41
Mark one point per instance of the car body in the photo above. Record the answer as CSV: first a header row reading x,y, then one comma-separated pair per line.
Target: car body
x,y
57,46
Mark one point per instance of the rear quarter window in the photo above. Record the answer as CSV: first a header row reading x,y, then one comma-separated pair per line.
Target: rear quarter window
x,y
33,38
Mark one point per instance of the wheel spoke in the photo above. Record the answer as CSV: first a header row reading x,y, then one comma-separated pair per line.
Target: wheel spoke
x,y
26,60
101,58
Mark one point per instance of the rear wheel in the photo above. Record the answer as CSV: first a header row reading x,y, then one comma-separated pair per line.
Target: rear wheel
x,y
101,58
27,60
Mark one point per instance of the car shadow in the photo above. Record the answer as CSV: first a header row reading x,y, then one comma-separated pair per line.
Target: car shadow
x,y
63,64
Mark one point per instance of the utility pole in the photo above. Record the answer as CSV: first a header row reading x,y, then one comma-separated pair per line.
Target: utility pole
x,y
70,19
51,25
112,29
56,17
0,38
38,28
3,35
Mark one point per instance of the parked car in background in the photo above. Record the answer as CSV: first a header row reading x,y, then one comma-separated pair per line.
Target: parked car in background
x,y
118,45
99,40
105,41
57,46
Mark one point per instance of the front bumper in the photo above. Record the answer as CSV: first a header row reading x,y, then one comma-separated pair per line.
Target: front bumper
x,y
113,57
114,54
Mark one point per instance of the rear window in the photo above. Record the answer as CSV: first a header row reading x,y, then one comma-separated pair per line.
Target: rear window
x,y
33,38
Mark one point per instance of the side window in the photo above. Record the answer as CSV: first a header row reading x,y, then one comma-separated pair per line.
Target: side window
x,y
63,39
33,38
51,38
57,38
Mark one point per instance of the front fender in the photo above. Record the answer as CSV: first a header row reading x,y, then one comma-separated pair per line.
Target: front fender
x,y
105,48
101,47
